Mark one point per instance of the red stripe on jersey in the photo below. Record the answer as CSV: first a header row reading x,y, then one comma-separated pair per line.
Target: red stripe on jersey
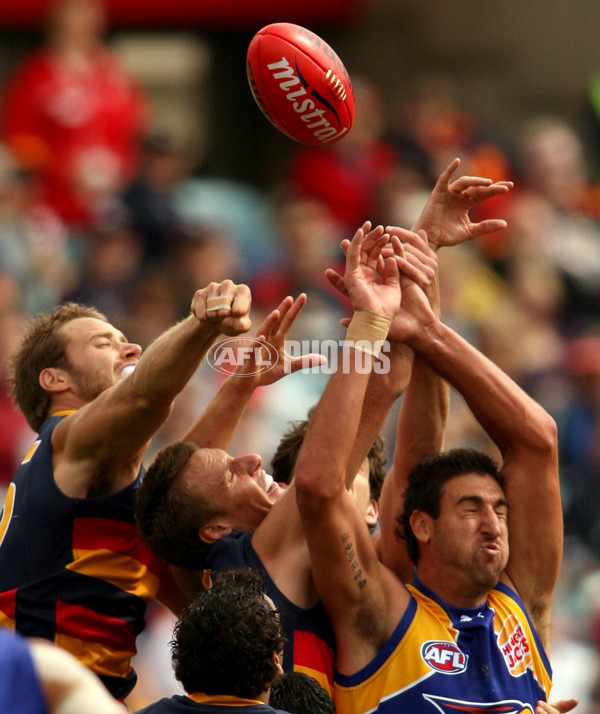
x,y
116,536
311,652
85,624
8,602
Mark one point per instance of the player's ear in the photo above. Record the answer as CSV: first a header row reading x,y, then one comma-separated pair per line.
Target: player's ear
x,y
213,531
278,659
372,513
420,523
53,379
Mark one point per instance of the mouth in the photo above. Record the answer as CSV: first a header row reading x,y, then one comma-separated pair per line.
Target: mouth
x,y
126,370
268,481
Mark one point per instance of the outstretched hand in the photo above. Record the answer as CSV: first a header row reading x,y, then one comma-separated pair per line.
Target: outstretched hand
x,y
272,334
417,264
371,280
445,216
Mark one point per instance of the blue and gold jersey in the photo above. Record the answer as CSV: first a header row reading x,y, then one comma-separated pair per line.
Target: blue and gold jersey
x,y
445,660
75,570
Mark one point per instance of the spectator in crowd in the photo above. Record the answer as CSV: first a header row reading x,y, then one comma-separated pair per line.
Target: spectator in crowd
x,y
150,196
227,649
454,520
41,678
299,693
95,404
73,116
554,218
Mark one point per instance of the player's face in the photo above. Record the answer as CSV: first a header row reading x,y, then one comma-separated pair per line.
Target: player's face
x,y
97,354
470,534
238,486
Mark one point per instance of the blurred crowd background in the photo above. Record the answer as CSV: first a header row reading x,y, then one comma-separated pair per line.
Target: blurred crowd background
x,y
135,167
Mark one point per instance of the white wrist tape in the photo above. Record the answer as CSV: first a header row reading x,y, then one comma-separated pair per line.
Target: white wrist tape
x,y
367,332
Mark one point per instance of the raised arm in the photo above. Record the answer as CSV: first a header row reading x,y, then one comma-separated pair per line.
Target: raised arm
x,y
105,438
349,577
526,436
445,220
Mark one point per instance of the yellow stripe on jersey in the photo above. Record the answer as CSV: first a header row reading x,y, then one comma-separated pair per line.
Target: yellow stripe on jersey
x,y
31,451
99,659
120,570
9,504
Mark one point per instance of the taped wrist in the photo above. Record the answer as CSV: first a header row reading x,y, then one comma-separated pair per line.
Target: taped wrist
x,y
367,332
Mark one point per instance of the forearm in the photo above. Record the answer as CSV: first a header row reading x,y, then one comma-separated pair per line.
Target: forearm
x,y
321,465
170,361
384,388
216,426
509,415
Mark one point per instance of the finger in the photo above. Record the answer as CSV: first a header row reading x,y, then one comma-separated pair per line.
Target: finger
x,y
336,280
290,313
242,300
465,182
391,273
232,326
295,364
344,245
481,193
199,305
413,273
269,322
373,251
490,226
446,175
354,249
565,705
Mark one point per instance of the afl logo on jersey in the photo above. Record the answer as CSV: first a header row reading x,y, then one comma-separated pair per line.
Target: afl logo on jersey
x,y
445,657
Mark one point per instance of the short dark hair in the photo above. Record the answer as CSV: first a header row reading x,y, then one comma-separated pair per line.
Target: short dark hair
x,y
167,518
223,643
284,458
299,693
43,345
426,484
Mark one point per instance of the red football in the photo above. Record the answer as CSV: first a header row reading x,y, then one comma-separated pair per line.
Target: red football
x,y
300,84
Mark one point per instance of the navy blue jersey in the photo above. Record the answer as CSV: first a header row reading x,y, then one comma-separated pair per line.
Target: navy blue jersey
x,y
74,570
179,704
309,645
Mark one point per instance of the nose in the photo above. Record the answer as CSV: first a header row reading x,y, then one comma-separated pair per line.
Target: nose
x,y
130,349
492,523
249,463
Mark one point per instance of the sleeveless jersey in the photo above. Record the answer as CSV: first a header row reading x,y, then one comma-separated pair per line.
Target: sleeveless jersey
x,y
443,660
75,570
20,688
309,642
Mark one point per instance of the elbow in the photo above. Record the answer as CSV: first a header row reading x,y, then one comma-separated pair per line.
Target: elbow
x,y
547,434
316,480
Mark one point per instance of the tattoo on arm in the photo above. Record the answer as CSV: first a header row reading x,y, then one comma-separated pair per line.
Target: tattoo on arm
x,y
357,573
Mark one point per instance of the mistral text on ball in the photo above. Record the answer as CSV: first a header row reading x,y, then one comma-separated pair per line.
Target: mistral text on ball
x,y
304,104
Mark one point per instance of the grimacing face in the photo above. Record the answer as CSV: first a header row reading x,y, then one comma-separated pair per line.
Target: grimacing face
x,y
98,355
471,534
